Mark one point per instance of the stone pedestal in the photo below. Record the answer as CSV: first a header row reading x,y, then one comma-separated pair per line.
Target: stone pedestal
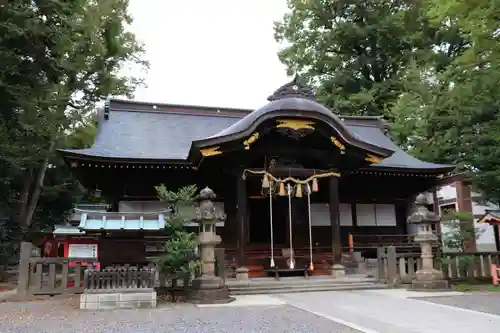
x,y
426,278
337,271
208,288
241,273
119,299
429,279
362,268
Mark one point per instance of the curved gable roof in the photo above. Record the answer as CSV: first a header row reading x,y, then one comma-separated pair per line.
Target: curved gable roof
x,y
147,132
291,100
291,107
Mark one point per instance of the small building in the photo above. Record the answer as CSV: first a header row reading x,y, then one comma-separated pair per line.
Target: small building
x,y
457,196
361,184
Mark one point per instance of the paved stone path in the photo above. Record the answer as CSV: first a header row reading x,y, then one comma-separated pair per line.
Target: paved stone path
x,y
267,315
398,311
384,311
487,302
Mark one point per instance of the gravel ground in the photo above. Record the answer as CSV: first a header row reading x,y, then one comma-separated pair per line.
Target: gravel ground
x,y
63,316
484,302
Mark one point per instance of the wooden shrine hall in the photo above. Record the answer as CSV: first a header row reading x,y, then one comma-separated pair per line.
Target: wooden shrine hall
x,y
296,180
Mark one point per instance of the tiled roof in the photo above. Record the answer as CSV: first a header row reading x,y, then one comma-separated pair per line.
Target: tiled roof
x,y
121,221
67,230
149,134
490,216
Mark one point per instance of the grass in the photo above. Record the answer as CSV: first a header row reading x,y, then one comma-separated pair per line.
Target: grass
x,y
466,287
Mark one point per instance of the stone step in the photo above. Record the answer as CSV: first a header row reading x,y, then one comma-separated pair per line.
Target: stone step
x,y
299,286
252,290
294,281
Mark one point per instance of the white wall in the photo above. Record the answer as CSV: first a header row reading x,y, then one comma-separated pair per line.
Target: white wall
x,y
447,192
367,214
486,241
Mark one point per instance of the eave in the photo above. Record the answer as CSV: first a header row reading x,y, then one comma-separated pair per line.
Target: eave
x,y
490,217
84,159
345,136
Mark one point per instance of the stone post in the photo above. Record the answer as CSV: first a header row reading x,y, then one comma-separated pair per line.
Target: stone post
x,y
427,277
208,288
24,269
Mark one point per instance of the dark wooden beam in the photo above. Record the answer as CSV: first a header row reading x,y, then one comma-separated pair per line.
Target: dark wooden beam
x,y
334,219
284,151
241,197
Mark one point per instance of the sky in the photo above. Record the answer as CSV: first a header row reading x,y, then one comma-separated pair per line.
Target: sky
x,y
209,53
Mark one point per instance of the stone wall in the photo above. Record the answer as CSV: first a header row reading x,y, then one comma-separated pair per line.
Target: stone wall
x,y
117,299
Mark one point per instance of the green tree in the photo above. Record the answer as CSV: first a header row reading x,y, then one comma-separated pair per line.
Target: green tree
x,y
58,59
83,134
357,52
180,250
459,233
430,67
453,116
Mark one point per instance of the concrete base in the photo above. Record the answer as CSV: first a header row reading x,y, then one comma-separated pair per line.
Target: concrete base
x,y
429,279
241,273
209,290
210,296
207,282
371,268
362,268
337,271
428,275
118,300
437,285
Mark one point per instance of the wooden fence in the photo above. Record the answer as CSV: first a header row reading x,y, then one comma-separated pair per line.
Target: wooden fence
x,y
394,268
119,278
55,276
49,276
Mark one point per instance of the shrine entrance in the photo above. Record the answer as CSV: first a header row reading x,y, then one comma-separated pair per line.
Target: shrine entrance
x,y
259,221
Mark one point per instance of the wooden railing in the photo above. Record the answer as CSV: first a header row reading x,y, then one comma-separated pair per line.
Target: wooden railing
x,y
367,241
463,265
396,268
53,276
258,260
119,278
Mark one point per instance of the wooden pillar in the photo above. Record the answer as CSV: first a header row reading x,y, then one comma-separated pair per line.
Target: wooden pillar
x,y
334,219
435,209
464,204
435,200
496,231
241,213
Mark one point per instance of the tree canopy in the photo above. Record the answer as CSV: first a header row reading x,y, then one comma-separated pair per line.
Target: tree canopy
x,y
429,67
59,58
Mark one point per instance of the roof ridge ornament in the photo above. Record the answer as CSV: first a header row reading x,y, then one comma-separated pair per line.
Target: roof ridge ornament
x,y
294,88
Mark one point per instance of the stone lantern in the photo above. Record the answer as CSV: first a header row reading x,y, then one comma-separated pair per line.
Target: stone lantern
x,y
208,288
427,277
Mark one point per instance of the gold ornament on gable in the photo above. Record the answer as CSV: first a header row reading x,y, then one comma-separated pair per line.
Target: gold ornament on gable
x,y
212,151
295,124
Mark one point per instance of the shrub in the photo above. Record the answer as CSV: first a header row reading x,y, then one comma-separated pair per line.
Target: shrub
x,y
180,257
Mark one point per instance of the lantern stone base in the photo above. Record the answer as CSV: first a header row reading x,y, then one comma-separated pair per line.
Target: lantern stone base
x,y
429,279
209,290
337,271
242,273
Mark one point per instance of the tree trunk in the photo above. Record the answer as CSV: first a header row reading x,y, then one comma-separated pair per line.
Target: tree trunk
x,y
37,190
25,196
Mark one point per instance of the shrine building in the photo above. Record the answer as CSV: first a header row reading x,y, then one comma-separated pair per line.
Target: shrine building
x,y
292,174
